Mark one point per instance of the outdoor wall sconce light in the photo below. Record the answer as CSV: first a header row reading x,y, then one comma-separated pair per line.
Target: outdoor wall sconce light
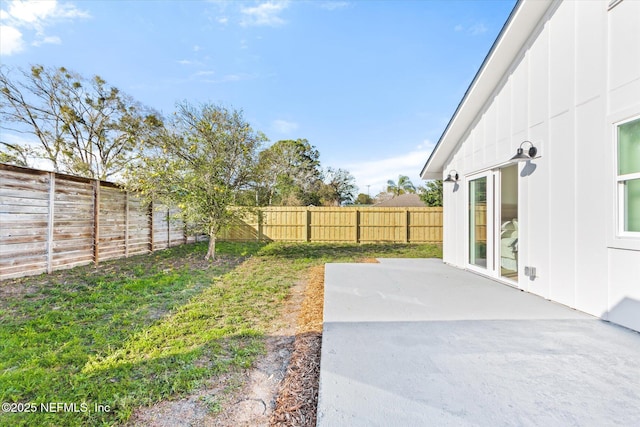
x,y
520,154
452,178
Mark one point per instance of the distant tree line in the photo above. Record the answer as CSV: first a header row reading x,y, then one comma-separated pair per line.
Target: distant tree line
x,y
206,159
430,194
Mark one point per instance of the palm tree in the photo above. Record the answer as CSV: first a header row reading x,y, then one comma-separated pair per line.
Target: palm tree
x,y
404,185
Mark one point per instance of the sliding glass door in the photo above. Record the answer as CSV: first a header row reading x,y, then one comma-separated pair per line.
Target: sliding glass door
x,y
478,222
493,223
508,221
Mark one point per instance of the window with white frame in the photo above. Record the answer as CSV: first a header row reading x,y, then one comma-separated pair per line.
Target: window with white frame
x,y
628,177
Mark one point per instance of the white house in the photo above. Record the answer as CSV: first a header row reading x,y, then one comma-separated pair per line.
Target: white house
x,y
564,222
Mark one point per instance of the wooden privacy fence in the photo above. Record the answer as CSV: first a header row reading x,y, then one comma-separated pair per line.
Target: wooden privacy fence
x,y
50,221
340,224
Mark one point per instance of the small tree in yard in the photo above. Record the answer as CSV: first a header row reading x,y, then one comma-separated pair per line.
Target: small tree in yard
x,y
200,166
431,194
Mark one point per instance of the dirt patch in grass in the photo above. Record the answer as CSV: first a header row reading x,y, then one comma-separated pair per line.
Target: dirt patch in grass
x,y
298,399
281,389
240,397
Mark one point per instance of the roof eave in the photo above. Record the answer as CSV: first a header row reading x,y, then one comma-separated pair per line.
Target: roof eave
x,y
522,21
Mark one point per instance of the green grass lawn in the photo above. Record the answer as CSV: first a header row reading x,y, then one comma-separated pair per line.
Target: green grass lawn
x,y
135,331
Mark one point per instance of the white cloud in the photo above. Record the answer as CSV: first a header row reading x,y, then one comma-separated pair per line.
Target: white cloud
x,y
284,126
477,29
47,40
235,78
204,73
222,20
265,14
29,19
227,78
40,13
375,173
10,40
333,5
474,29
31,11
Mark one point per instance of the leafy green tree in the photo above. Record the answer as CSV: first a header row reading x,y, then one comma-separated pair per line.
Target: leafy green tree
x,y
431,194
207,159
15,154
83,126
339,187
404,185
289,173
363,199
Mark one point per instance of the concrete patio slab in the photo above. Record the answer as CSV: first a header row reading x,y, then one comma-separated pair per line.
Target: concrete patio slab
x,y
416,342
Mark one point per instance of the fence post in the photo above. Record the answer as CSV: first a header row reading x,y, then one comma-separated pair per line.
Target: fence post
x,y
307,224
52,199
406,226
357,225
126,224
259,220
185,230
151,242
168,228
96,221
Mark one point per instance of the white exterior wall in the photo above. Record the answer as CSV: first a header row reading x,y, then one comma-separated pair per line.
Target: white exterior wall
x,y
578,74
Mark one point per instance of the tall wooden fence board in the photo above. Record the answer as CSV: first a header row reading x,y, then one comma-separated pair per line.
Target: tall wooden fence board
x,y
282,224
24,218
112,228
176,231
139,227
72,222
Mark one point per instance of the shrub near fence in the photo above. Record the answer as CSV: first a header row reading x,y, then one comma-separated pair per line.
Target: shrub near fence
x,y
340,224
50,221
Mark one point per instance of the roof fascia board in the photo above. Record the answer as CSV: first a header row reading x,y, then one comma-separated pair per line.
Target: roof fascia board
x,y
522,22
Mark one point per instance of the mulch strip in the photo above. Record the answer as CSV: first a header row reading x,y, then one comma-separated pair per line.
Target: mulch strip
x,y
297,402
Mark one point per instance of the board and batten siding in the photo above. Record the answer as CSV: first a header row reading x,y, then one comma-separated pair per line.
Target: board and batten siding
x,y
577,75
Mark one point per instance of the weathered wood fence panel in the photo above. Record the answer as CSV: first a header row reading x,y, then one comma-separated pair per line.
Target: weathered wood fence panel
x,y
50,221
112,225
139,227
72,222
24,219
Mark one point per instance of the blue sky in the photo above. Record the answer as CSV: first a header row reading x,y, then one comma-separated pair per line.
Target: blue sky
x,y
372,84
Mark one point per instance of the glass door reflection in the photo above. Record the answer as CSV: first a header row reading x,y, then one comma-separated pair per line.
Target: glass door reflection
x,y
478,222
508,237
